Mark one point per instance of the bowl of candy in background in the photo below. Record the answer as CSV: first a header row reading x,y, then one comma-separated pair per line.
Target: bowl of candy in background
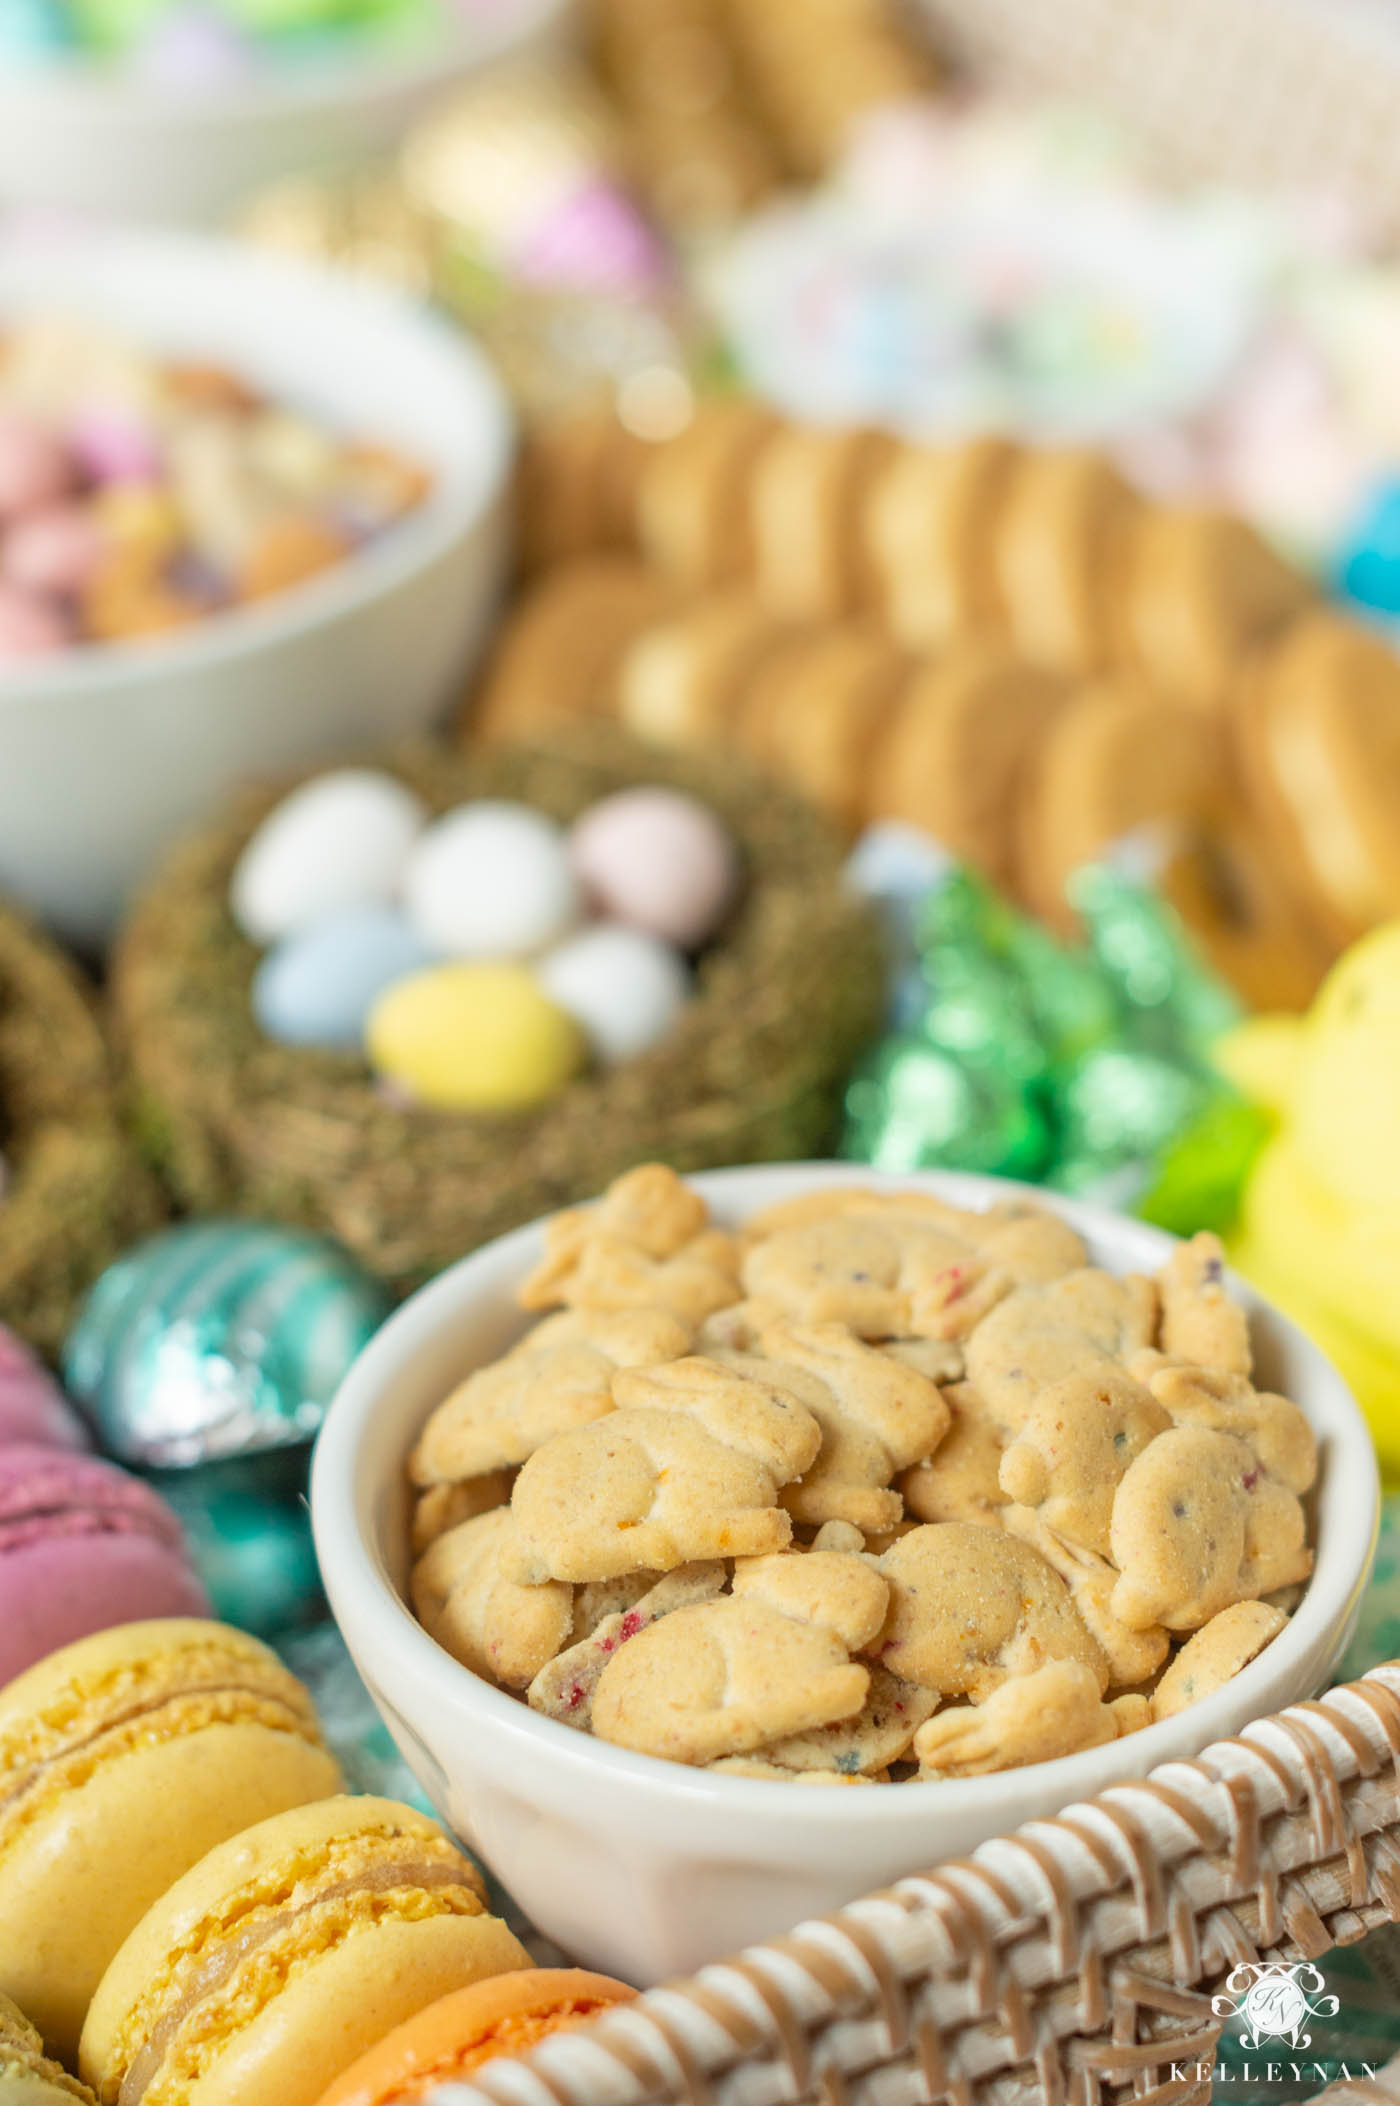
x,y
175,110
162,680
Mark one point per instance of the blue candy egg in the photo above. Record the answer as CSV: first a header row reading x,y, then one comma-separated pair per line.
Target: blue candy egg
x,y
218,1339
317,986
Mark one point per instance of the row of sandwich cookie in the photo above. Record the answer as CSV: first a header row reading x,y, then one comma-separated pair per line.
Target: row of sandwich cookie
x,y
721,100
192,1911
1049,550
1022,772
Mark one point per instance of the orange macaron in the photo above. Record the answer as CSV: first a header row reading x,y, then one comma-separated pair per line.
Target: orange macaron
x,y
451,2038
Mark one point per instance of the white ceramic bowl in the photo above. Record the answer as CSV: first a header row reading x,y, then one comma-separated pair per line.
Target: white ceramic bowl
x,y
647,1869
107,752
83,136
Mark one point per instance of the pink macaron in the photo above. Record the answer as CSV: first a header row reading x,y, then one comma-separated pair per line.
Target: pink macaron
x,y
82,1546
33,1408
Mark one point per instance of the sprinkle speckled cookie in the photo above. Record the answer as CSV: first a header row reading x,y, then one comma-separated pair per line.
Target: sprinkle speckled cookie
x,y
871,1488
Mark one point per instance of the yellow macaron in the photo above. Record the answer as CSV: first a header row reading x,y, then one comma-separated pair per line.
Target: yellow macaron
x,y
285,1954
123,1759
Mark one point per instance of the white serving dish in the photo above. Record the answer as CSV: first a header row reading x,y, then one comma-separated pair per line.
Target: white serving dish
x,y
107,752
647,1869
80,136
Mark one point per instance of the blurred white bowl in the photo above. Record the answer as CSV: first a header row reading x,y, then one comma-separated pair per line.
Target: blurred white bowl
x,y
107,751
647,1869
85,136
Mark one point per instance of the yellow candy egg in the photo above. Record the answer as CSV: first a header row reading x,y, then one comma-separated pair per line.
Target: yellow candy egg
x,y
474,1037
140,521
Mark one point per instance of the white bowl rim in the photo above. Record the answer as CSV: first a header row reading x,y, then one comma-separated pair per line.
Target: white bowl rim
x,y
370,573
352,1565
94,90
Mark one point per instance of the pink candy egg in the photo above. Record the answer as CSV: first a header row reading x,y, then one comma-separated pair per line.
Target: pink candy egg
x,y
657,860
114,446
34,468
52,551
30,627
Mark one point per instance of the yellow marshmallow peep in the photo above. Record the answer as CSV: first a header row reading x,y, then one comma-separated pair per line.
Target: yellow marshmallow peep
x,y
1320,1220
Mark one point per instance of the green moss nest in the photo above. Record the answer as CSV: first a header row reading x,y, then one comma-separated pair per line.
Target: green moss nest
x,y
78,1192
752,1072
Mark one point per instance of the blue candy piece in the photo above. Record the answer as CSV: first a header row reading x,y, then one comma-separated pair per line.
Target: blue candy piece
x,y
217,1339
317,987
33,31
1369,570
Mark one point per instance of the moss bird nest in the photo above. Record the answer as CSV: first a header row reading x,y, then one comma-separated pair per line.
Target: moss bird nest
x,y
77,1192
752,1071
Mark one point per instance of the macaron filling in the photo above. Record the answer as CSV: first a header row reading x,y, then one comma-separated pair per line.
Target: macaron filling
x,y
205,1685
66,1495
44,1520
230,1949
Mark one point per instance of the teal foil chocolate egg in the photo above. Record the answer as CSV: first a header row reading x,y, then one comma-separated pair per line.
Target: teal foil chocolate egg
x,y
218,1339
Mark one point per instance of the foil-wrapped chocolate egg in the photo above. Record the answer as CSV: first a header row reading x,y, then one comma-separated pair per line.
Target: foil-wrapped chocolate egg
x,y
218,1339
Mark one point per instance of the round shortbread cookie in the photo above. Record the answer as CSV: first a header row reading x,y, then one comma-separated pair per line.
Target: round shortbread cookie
x,y
684,679
827,716
954,756
1317,730
558,655
1116,758
1060,553
1200,589
693,510
808,491
929,523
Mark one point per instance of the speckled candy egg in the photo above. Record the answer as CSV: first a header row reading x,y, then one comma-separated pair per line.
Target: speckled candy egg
x,y
216,1339
317,987
491,880
623,987
658,860
339,841
474,1037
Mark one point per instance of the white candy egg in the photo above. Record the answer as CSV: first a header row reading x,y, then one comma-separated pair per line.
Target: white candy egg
x,y
491,880
623,987
340,841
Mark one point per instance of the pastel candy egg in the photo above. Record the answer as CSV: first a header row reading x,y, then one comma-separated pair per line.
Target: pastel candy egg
x,y
56,550
216,1339
659,860
29,626
341,840
34,468
114,446
474,1037
623,987
319,984
491,880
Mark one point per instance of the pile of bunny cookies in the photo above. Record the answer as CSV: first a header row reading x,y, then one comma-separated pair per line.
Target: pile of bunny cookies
x,y
876,1489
